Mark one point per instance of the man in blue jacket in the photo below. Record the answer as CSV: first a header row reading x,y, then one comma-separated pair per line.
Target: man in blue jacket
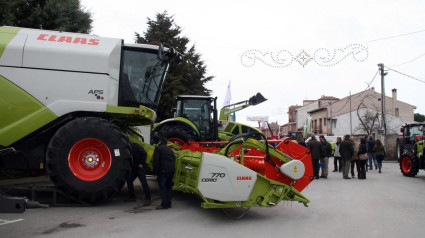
x,y
325,153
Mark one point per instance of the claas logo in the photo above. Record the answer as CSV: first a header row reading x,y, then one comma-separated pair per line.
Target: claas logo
x,y
68,39
97,93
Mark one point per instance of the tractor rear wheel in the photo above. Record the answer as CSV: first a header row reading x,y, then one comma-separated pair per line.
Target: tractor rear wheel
x,y
88,159
179,135
409,165
399,151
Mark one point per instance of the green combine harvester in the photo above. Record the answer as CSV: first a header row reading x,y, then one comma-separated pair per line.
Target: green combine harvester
x,y
69,103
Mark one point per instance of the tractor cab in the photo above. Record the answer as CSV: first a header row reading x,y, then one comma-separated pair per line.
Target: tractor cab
x,y
412,133
200,111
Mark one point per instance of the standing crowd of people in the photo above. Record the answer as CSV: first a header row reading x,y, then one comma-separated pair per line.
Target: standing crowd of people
x,y
370,154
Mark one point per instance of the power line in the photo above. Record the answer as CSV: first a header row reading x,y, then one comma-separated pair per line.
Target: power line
x,y
401,35
390,37
367,87
417,79
409,60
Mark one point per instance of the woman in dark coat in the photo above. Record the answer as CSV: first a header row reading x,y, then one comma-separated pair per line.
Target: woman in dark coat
x,y
362,163
379,153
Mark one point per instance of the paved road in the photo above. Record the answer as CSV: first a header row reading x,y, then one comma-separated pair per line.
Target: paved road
x,y
384,205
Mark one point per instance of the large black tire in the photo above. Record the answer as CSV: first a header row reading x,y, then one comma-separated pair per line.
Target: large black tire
x,y
409,165
178,134
88,159
400,150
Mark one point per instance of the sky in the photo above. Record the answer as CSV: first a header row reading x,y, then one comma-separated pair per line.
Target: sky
x,y
255,45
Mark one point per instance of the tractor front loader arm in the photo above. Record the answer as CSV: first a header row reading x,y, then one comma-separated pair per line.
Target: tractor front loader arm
x,y
229,109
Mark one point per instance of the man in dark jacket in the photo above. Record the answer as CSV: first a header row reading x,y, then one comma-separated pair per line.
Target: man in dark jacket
x,y
164,166
138,169
315,150
325,153
346,149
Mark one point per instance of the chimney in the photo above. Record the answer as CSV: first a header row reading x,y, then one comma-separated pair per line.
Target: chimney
x,y
394,94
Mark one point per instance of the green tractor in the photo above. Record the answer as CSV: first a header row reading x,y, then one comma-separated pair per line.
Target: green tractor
x,y
195,119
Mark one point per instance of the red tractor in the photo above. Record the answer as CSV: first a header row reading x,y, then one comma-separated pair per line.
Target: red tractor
x,y
410,149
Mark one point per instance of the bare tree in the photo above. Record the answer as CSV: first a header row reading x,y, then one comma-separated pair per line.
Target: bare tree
x,y
368,120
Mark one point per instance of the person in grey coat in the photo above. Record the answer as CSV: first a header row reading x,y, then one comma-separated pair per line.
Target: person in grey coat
x,y
346,149
337,156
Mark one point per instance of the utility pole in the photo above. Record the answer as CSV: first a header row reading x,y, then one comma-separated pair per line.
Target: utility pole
x,y
383,118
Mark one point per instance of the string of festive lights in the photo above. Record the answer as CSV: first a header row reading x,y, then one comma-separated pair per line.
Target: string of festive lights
x,y
322,57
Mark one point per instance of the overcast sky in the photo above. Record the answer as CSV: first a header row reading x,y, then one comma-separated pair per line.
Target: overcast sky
x,y
237,40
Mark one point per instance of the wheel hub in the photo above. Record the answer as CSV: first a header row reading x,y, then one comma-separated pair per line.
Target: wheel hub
x,y
89,159
406,164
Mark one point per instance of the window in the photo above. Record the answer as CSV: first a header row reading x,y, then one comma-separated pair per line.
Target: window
x,y
397,112
235,130
142,76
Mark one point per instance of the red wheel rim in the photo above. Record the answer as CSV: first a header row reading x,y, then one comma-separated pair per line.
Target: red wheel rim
x,y
177,141
406,164
89,159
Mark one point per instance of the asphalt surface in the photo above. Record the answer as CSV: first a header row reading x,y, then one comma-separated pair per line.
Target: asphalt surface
x,y
384,205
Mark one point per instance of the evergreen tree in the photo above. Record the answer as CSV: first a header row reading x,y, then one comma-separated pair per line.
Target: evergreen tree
x,y
185,78
419,117
61,15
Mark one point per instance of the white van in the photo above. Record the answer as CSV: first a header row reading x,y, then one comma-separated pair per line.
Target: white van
x,y
328,138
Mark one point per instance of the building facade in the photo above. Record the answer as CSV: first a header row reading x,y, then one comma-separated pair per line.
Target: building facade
x,y
357,114
361,113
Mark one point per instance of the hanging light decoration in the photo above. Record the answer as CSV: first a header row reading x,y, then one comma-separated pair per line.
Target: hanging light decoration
x,y
322,57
